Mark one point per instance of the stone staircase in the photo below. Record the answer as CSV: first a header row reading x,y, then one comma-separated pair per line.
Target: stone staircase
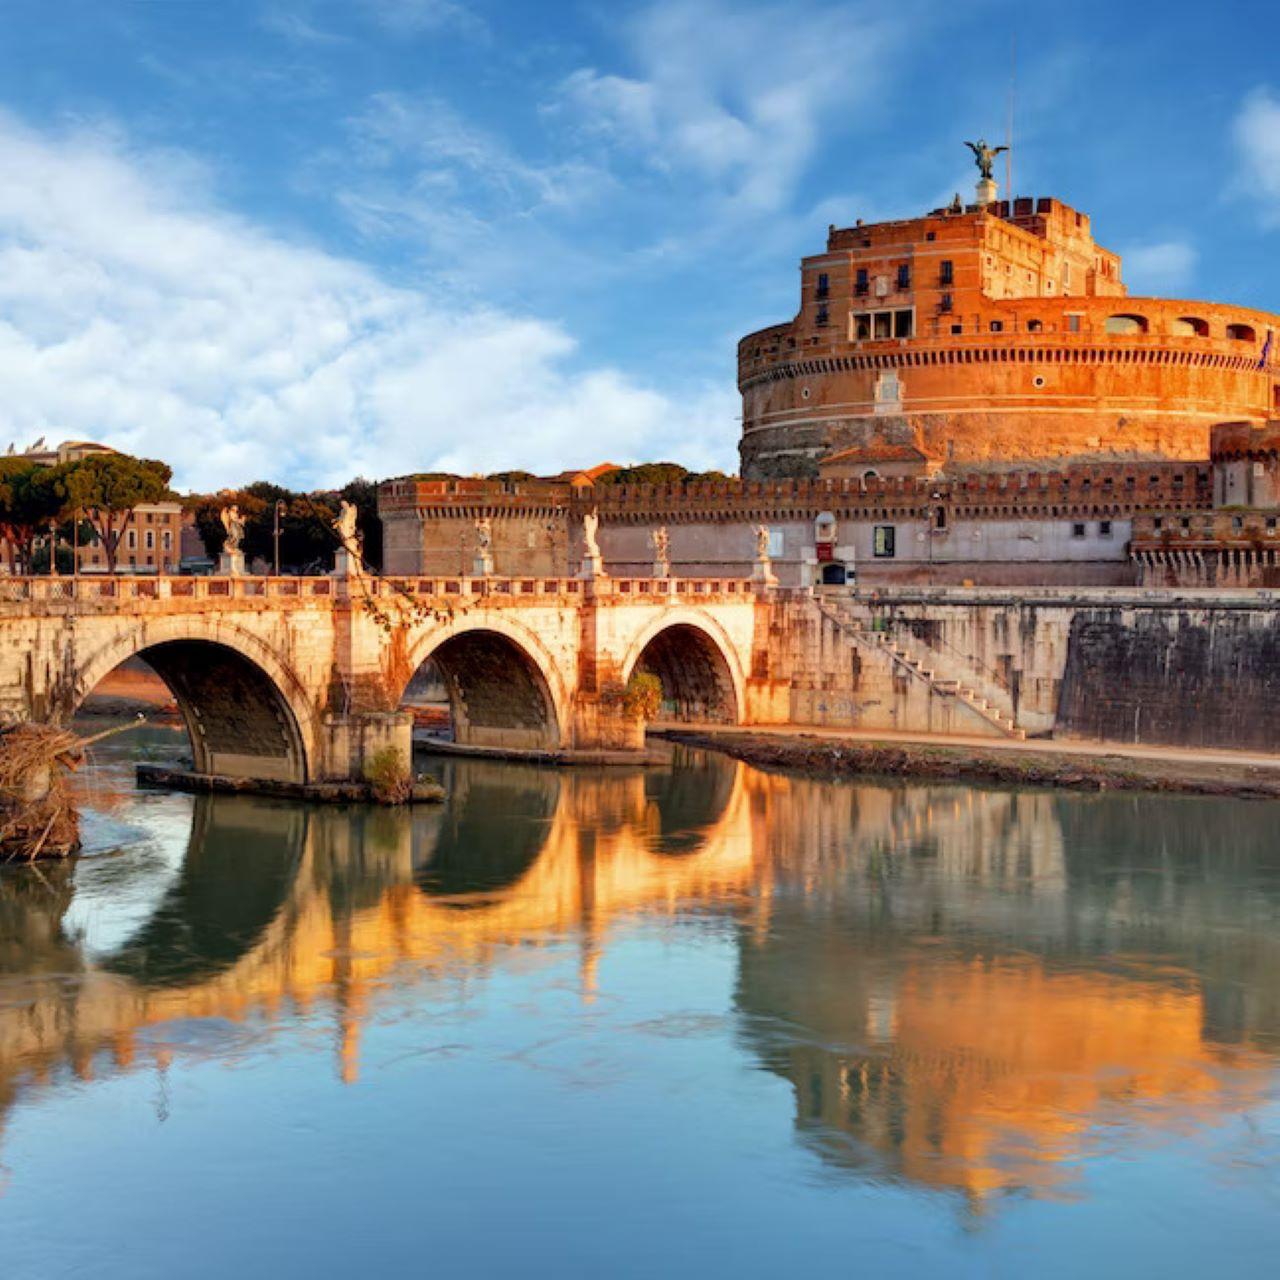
x,y
920,667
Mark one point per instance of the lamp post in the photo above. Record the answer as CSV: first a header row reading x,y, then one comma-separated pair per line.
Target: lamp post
x,y
53,548
279,510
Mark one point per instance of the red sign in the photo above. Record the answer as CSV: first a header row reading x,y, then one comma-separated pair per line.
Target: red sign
x,y
826,551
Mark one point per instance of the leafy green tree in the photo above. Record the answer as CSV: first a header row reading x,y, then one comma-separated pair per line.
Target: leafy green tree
x,y
307,537
107,487
646,473
30,497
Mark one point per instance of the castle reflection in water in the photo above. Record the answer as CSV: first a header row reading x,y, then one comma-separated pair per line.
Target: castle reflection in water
x,y
961,986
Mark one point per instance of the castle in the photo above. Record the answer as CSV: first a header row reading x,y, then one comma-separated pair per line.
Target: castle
x,y
967,397
993,335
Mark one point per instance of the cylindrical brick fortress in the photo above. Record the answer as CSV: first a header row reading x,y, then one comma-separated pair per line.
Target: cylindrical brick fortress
x,y
994,337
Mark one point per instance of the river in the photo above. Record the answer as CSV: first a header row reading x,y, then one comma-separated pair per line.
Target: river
x,y
693,1019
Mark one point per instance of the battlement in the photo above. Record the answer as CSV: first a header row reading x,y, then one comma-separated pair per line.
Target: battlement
x,y
1236,441
1105,489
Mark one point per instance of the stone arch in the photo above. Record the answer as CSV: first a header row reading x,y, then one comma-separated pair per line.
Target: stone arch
x,y
245,712
1241,333
504,687
695,660
1126,322
1189,327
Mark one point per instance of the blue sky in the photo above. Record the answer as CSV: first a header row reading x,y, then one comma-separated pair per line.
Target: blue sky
x,y
301,239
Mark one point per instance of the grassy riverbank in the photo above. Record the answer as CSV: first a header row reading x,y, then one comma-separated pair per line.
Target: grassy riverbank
x,y
1098,770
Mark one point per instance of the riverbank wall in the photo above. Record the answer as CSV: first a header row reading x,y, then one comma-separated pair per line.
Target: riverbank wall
x,y
1185,668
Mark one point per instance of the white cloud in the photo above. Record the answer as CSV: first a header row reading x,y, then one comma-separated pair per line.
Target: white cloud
x,y
138,314
293,23
410,17
1256,132
736,95
1160,268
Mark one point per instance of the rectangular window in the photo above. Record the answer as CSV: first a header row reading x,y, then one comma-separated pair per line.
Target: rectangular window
x,y
862,328
946,273
132,540
168,540
904,276
824,285
151,539
883,324
1237,524
902,326
883,542
945,304
824,316
1158,523
1271,524
1077,530
1073,324
862,283
957,328
1104,528
997,326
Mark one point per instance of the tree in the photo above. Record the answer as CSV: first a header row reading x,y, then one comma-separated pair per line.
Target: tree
x,y
646,473
107,487
30,497
307,537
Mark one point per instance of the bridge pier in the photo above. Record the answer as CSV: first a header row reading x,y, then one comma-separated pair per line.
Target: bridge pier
x,y
351,739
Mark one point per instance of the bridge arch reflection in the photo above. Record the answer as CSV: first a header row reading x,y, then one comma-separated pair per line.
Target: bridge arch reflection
x,y
316,904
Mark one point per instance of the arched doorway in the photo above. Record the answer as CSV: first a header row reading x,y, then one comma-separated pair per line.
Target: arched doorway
x,y
697,684
239,723
494,692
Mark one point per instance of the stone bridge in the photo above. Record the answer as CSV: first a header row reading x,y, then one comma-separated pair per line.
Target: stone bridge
x,y
302,679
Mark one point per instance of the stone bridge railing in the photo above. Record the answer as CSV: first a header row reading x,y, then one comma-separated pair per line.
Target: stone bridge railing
x,y
104,588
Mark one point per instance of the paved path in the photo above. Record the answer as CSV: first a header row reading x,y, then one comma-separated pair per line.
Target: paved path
x,y
1187,756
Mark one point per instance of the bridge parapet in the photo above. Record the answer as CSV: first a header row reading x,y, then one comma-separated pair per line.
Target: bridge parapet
x,y
127,590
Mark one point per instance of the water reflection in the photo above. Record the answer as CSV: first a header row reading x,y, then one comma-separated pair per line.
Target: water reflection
x,y
963,989
976,989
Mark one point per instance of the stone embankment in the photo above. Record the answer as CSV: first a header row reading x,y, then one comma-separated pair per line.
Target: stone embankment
x,y
1006,764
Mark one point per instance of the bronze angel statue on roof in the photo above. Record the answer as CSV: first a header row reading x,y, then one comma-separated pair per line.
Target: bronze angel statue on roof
x,y
983,156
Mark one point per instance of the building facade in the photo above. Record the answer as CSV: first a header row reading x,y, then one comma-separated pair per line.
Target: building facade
x,y
152,543
993,335
1010,528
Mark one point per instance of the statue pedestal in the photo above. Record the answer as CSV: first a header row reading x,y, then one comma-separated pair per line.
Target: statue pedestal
x,y
592,566
763,572
661,569
345,565
231,564
987,190
482,565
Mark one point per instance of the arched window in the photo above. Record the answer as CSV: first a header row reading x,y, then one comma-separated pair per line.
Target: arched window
x,y
1124,324
1242,333
1189,327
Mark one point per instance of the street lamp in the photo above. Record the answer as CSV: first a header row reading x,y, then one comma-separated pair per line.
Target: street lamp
x,y
280,510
